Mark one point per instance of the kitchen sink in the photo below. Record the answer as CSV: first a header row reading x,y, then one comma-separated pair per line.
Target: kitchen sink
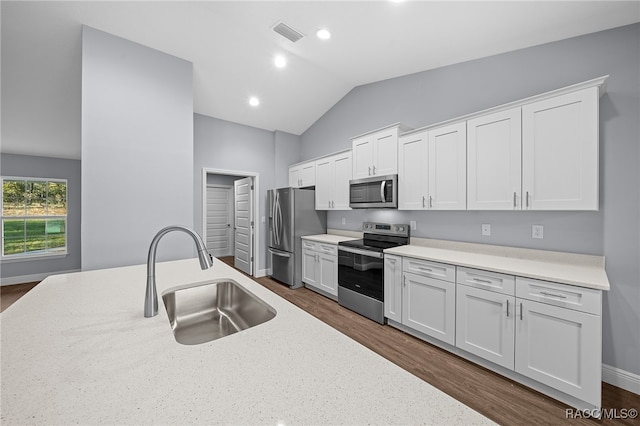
x,y
207,311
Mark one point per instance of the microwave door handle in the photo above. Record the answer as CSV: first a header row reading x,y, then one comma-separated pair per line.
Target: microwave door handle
x,y
382,188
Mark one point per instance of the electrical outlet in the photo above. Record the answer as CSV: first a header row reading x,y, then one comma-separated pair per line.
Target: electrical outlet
x,y
263,219
344,221
537,231
414,225
486,229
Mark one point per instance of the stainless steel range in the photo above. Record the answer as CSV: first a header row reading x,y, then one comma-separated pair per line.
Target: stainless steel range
x,y
361,268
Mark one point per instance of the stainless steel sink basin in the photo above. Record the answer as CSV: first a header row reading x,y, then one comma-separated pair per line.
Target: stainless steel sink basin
x,y
207,311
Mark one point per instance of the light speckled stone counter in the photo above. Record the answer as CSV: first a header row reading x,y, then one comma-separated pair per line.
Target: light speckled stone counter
x,y
327,238
77,349
567,268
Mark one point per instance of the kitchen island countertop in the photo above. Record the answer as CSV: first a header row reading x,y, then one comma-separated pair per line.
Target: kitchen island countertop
x,y
77,349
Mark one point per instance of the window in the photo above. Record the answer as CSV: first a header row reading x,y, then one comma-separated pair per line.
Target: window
x,y
34,217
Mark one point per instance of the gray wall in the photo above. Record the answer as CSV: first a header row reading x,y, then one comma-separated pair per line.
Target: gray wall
x,y
435,95
287,152
220,144
44,167
137,151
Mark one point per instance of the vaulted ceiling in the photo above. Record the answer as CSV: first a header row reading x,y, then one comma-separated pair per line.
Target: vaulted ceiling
x,y
232,46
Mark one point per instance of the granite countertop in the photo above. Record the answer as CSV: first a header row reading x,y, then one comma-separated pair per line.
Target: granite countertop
x,y
327,238
566,268
77,349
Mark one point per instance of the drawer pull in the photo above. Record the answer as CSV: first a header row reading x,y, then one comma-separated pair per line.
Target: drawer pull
x,y
553,295
479,280
422,268
520,311
507,308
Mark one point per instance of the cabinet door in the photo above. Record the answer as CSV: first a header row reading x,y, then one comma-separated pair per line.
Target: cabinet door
x,y
413,177
448,167
385,151
324,183
494,156
341,176
428,306
485,324
294,177
560,152
308,174
328,273
393,287
309,269
362,157
561,348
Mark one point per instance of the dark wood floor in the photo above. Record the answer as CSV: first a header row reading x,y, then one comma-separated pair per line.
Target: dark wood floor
x,y
498,398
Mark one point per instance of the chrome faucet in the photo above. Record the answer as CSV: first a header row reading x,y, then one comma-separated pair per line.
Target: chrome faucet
x,y
151,296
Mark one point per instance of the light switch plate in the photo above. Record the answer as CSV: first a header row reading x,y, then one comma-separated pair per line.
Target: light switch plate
x,y
344,221
537,231
486,229
414,225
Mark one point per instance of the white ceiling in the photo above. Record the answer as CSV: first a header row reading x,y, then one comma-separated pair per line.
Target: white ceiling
x,y
232,45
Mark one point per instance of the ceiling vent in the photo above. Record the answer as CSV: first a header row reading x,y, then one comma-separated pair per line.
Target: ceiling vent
x,y
287,32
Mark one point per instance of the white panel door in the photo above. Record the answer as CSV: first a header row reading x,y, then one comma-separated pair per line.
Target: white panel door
x,y
309,267
494,158
413,175
243,213
327,273
560,348
385,152
560,152
308,174
393,287
342,166
485,324
294,176
448,167
362,157
429,306
219,238
324,183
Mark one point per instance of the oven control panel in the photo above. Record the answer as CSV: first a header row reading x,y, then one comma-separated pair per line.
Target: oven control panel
x,y
386,228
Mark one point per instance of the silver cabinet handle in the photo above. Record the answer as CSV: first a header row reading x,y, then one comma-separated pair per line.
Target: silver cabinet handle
x,y
527,199
478,280
369,170
333,204
560,296
423,201
374,170
422,268
514,199
520,311
430,202
404,279
507,308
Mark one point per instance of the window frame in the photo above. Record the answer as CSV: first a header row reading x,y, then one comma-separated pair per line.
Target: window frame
x,y
35,255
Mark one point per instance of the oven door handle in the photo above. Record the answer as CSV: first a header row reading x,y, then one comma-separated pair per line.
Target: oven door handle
x,y
366,253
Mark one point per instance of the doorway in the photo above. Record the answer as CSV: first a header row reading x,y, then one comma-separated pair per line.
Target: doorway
x,y
228,219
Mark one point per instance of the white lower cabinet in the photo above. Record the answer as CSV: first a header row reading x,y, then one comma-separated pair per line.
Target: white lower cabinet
x,y
484,324
320,266
421,295
544,331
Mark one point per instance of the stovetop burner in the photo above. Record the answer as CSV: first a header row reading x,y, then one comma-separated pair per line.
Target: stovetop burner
x,y
380,236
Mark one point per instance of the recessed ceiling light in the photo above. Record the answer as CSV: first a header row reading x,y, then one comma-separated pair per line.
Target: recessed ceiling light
x,y
280,61
323,34
253,101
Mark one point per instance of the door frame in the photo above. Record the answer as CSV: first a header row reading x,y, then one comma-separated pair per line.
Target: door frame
x,y
256,208
230,216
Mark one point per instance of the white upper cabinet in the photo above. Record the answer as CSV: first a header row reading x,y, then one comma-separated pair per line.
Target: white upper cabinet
x,y
413,177
494,156
448,167
332,182
302,175
560,152
376,153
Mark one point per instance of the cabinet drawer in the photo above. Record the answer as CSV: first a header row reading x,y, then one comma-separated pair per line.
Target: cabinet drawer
x,y
310,245
331,249
567,296
427,268
492,281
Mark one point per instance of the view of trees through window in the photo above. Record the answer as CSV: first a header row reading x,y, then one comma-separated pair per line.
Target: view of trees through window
x,y
34,216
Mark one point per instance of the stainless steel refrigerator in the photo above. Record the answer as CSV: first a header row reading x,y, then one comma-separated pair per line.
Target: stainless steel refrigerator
x,y
292,214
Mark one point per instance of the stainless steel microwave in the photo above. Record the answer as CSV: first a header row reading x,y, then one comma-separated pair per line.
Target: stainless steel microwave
x,y
374,192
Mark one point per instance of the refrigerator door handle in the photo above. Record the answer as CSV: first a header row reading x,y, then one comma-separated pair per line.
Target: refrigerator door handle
x,y
280,221
277,253
275,218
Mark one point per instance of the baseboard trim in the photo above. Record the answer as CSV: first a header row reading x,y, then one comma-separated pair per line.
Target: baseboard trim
x,y
621,378
20,279
260,273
